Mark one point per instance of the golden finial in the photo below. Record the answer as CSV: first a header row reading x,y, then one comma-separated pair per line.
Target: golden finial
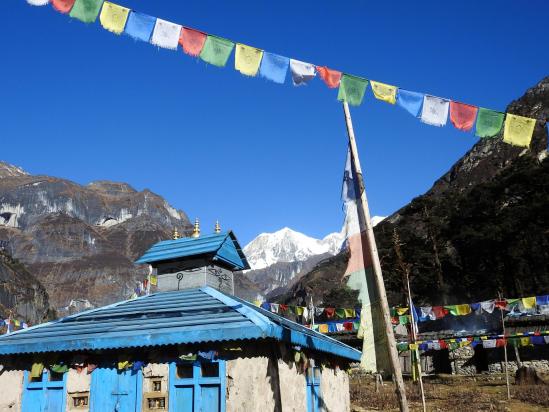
x,y
175,235
196,230
217,227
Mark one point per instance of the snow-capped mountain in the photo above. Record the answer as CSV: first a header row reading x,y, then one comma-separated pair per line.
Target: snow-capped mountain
x,y
287,245
277,258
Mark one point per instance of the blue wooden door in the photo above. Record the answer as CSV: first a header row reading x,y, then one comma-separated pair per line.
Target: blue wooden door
x,y
197,387
114,390
44,394
314,397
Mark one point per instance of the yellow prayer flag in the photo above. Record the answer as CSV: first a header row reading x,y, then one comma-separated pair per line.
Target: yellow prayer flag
x,y
384,92
247,59
518,130
113,17
401,311
525,341
154,280
413,346
463,309
299,310
529,303
350,313
323,328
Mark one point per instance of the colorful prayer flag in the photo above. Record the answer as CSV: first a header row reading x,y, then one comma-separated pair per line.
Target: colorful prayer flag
x,y
86,10
340,313
274,67
299,310
323,328
216,51
113,17
350,313
435,111
330,312
489,123
384,92
154,280
412,102
529,303
247,59
38,2
352,89
192,41
331,77
518,130
463,115
63,6
302,73
166,34
140,26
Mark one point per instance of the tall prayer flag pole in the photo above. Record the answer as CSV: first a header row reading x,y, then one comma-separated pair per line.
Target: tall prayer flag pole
x,y
380,286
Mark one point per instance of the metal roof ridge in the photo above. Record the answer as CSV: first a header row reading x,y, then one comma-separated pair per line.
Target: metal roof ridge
x,y
268,327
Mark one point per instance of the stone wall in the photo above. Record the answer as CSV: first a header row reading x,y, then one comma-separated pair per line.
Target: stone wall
x,y
334,388
78,384
11,389
462,361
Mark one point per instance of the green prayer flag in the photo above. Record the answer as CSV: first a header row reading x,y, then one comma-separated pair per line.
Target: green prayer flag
x,y
59,368
401,347
488,123
452,309
403,320
86,10
216,50
352,89
340,313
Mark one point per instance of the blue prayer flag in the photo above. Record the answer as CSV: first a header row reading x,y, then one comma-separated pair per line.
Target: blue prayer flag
x,y
410,101
140,26
274,67
537,340
332,328
542,300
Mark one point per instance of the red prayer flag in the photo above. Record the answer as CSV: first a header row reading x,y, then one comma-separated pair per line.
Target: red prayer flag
x,y
501,304
439,311
330,312
283,308
463,115
331,77
192,41
443,344
62,6
348,326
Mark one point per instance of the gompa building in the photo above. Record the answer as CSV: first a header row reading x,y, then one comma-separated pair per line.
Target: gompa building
x,y
190,346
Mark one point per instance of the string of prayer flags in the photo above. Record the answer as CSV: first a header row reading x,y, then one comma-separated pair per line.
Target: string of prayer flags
x,y
113,17
247,59
216,50
166,34
435,111
384,92
489,123
63,6
86,10
192,41
140,26
302,73
412,102
329,76
352,89
518,130
38,2
463,115
274,67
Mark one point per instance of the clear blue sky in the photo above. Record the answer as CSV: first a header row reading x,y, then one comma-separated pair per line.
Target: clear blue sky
x,y
81,103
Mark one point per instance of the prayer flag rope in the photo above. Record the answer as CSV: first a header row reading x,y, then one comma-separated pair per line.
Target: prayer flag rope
x,y
250,61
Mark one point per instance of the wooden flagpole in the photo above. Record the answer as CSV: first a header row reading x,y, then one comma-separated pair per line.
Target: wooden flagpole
x,y
505,352
393,353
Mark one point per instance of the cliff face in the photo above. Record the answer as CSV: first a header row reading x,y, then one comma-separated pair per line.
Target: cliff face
x,y
21,294
482,228
80,241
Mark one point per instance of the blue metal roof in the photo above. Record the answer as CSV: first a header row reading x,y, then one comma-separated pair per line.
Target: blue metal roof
x,y
166,318
221,246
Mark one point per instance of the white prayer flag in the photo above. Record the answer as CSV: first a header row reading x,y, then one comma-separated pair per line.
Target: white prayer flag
x,y
38,2
435,111
489,343
274,307
302,72
166,34
488,305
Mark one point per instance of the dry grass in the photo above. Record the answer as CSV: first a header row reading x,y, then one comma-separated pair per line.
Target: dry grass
x,y
482,393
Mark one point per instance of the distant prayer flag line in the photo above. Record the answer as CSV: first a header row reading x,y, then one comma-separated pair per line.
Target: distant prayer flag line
x,y
250,61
